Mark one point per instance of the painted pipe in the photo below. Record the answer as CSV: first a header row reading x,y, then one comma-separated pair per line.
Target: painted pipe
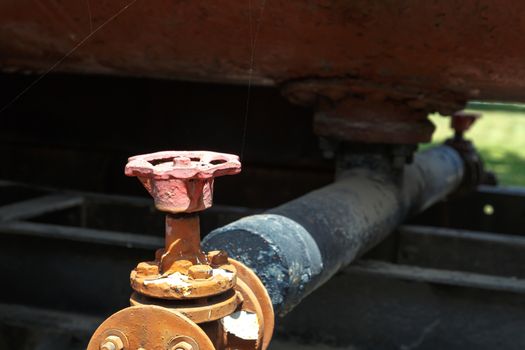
x,y
298,246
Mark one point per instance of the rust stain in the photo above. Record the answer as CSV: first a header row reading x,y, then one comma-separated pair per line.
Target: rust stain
x,y
464,47
439,54
188,286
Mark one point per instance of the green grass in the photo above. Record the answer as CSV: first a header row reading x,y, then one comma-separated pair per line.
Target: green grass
x,y
500,138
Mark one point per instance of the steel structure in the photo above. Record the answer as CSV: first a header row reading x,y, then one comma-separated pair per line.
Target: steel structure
x,y
434,277
373,70
368,73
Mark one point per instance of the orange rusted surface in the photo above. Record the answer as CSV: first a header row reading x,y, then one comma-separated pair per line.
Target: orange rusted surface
x,y
263,302
470,47
423,55
167,328
182,182
198,294
183,286
210,309
182,270
364,112
183,243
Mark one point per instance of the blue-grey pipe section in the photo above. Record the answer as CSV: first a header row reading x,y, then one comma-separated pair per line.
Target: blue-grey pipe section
x,y
297,246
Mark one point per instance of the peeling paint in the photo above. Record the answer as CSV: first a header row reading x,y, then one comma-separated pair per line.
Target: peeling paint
x,y
174,280
224,273
242,324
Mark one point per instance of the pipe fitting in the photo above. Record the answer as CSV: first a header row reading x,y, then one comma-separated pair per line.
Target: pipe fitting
x,y
475,173
183,345
112,342
184,288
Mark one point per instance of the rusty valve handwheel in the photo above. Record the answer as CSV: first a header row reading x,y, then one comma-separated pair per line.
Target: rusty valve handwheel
x,y
182,181
203,301
461,122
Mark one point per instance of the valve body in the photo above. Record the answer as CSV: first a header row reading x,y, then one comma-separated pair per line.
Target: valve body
x,y
187,299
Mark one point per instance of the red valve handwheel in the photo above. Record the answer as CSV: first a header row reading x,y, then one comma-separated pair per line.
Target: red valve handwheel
x,y
182,181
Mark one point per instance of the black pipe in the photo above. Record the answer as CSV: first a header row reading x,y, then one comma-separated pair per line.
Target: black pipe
x,y
297,246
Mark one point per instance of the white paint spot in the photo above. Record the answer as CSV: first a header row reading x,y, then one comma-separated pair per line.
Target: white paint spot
x,y
182,283
174,280
178,279
242,324
223,273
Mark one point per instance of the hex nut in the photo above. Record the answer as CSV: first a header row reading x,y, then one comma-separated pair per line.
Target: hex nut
x,y
200,272
147,268
108,346
180,266
112,342
218,257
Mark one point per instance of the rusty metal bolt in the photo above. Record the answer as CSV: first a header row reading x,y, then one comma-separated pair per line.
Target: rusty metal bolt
x,y
112,342
200,272
182,346
181,266
147,268
217,258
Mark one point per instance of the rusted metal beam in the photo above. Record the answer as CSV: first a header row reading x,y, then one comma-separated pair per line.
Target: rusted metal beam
x,y
50,319
438,276
38,206
431,47
80,234
410,56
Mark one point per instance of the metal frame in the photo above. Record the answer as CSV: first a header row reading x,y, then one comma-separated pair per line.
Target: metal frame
x,y
425,286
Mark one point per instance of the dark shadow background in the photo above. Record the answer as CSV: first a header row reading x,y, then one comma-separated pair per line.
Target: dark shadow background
x,y
76,132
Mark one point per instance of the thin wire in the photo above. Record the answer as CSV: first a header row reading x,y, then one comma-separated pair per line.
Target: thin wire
x,y
253,44
90,14
63,58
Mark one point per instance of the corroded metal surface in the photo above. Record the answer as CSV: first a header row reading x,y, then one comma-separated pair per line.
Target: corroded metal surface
x,y
422,44
128,326
182,181
471,47
260,302
359,111
214,309
181,270
409,56
294,253
185,286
